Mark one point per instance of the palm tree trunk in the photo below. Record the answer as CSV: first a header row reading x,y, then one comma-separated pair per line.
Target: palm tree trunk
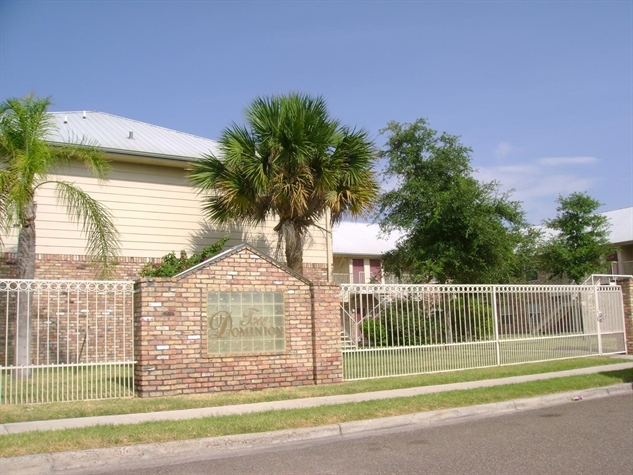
x,y
294,247
26,243
25,270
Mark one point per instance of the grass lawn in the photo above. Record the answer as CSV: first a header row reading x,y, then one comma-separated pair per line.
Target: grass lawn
x,y
163,431
391,361
70,383
86,382
65,410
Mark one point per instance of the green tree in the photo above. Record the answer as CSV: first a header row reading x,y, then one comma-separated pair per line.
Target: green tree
x,y
26,162
455,228
292,162
579,245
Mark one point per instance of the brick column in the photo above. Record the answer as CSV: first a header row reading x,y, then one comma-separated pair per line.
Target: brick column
x,y
627,298
326,334
316,273
158,342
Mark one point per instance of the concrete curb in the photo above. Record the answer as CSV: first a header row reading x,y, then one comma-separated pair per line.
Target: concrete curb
x,y
14,428
109,459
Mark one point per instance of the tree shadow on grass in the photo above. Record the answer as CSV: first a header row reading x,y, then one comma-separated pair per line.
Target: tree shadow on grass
x,y
626,375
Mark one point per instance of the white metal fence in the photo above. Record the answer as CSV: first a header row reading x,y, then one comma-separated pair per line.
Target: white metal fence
x,y
394,330
65,340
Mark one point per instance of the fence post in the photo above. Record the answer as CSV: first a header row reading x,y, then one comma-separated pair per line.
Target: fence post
x,y
598,318
495,316
627,301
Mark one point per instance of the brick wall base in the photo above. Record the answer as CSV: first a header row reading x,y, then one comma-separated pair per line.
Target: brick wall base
x,y
72,267
77,267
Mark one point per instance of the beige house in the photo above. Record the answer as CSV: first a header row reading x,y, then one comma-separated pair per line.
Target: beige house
x,y
154,206
156,210
621,236
358,249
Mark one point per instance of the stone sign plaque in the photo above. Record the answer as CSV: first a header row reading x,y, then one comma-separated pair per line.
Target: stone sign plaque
x,y
245,323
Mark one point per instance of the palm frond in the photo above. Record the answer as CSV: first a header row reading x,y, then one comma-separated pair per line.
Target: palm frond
x,y
83,151
26,158
24,126
5,211
356,190
7,205
232,196
204,172
291,160
96,225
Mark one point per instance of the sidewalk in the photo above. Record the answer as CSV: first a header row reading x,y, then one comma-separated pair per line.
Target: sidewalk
x,y
14,428
123,459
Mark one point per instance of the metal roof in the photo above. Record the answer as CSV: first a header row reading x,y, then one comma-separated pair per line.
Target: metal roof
x,y
621,221
361,239
126,136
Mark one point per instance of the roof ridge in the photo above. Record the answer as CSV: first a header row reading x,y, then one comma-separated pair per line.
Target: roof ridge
x,y
617,209
137,121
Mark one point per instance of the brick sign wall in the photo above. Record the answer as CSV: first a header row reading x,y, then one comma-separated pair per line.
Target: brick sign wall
x,y
173,328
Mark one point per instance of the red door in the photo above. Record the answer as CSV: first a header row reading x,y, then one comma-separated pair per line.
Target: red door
x,y
358,271
375,271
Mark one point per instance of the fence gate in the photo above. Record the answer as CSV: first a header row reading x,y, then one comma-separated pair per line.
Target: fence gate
x,y
610,316
65,340
391,330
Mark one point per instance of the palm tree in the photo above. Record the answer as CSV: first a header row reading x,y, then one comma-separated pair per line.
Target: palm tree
x,y
291,161
26,162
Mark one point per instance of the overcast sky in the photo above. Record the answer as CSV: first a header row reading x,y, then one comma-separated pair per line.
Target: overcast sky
x,y
542,91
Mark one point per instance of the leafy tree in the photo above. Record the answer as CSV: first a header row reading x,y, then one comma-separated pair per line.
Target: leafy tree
x,y
455,228
292,161
579,245
26,162
172,265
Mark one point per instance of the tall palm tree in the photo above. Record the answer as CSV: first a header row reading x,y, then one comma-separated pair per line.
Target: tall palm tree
x,y
291,162
26,160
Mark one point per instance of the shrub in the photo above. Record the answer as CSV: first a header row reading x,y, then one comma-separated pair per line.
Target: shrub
x,y
375,333
171,265
401,323
410,327
470,319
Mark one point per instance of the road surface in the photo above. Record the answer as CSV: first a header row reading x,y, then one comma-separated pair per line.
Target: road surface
x,y
585,437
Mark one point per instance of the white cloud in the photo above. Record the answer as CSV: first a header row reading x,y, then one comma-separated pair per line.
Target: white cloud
x,y
503,149
536,186
557,161
554,185
536,183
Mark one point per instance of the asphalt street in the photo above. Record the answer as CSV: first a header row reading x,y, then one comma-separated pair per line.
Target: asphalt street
x,y
585,437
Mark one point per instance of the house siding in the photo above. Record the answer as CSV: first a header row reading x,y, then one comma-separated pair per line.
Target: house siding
x,y
155,210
